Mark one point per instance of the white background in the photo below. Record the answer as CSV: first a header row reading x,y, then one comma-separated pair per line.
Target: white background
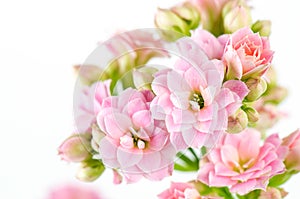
x,y
40,41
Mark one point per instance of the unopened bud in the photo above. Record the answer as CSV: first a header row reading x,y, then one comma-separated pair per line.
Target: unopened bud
x,y
263,27
181,18
75,149
90,170
257,87
89,74
237,122
252,114
272,193
236,15
189,13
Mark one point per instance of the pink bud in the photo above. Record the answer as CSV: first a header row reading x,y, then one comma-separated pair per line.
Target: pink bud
x,y
292,160
74,149
237,122
272,193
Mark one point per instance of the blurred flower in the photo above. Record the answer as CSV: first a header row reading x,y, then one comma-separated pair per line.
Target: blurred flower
x,y
263,27
236,15
88,103
134,142
211,14
241,166
70,191
179,190
190,99
247,55
292,160
89,74
272,193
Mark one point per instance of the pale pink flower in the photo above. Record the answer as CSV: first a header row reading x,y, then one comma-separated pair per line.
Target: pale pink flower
x,y
88,103
292,142
135,144
247,55
191,100
240,163
180,190
212,46
70,191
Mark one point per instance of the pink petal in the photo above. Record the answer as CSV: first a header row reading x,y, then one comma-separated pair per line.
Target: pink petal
x,y
142,118
128,158
239,87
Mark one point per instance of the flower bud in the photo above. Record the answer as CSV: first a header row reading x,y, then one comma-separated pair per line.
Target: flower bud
x,y
75,149
236,15
180,19
237,122
276,95
257,87
88,74
272,193
263,27
189,13
292,142
90,170
143,77
252,114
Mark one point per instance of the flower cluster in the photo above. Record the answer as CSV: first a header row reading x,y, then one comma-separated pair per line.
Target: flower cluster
x,y
206,112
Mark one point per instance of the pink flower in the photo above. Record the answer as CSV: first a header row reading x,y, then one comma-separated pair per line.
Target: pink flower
x,y
73,192
191,101
134,143
179,190
241,163
292,160
212,46
88,103
247,55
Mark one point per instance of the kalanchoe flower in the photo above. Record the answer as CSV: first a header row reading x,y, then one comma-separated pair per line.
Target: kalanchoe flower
x,y
135,144
180,190
242,166
236,15
212,46
76,148
191,101
292,142
70,191
247,55
88,103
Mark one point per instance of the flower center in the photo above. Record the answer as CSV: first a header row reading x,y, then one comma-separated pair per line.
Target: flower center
x,y
196,101
132,140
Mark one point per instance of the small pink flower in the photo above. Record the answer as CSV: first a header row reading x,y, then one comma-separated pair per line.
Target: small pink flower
x,y
212,46
292,142
134,143
241,163
179,190
191,100
88,103
247,55
73,192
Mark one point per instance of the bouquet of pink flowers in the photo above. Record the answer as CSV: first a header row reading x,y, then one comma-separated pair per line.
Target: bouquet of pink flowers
x,y
198,93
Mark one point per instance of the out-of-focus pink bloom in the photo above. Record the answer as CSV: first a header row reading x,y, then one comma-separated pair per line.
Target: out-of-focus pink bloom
x,y
272,193
247,55
212,46
88,103
292,160
240,163
179,190
191,100
211,14
74,149
73,192
134,143
269,115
